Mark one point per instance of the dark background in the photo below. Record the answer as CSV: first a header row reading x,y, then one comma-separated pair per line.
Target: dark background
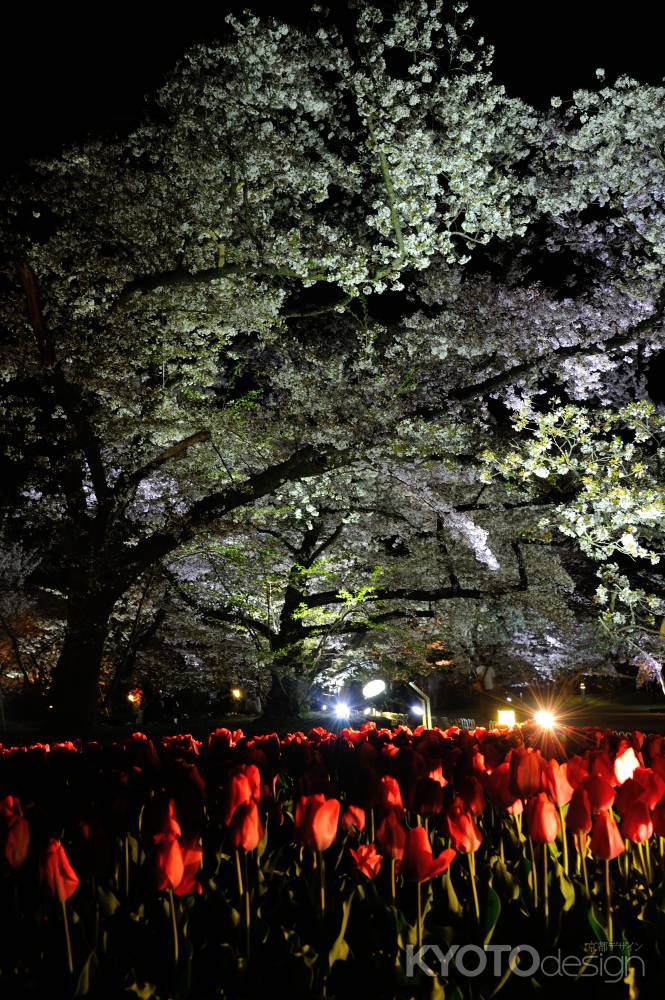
x,y
68,71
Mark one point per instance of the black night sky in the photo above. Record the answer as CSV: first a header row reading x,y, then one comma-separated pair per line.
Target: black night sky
x,y
66,74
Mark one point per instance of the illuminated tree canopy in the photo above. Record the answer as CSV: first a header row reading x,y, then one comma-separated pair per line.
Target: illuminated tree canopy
x,y
341,340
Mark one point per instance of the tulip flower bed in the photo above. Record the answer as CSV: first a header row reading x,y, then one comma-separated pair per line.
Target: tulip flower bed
x,y
321,862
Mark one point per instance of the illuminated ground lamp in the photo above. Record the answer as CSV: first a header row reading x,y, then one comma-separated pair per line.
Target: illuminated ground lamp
x,y
506,717
582,690
374,688
236,694
544,719
426,712
342,711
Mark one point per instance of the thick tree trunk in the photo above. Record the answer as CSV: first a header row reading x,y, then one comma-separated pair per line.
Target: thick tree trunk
x,y
287,697
74,692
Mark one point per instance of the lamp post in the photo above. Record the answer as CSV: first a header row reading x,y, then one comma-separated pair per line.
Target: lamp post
x,y
427,714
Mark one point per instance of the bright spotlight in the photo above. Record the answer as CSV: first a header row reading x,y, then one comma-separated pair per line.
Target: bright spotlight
x,y
236,693
374,688
342,711
323,707
506,717
544,719
418,710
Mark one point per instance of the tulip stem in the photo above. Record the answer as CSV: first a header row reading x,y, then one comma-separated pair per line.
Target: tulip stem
x,y
564,840
68,940
581,841
534,874
174,928
239,873
248,916
392,880
545,886
126,860
501,851
371,826
471,857
322,884
419,930
608,896
647,849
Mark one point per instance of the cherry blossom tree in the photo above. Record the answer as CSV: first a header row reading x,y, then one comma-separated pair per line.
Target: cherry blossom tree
x,y
324,250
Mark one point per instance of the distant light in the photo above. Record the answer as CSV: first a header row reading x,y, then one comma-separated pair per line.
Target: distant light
x,y
236,693
367,711
131,697
323,708
342,711
544,719
509,698
582,686
418,710
373,688
506,717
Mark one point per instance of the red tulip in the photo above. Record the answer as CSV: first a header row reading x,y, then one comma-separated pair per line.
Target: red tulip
x,y
391,837
14,833
244,786
170,826
436,774
169,863
578,817
652,784
576,771
624,765
659,819
418,863
606,841
600,792
466,836
498,787
246,828
525,768
556,784
636,822
428,797
353,818
471,793
316,821
57,873
390,795
192,856
542,819
367,861
628,793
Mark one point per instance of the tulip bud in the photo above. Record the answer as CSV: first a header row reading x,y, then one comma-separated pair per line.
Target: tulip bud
x,y
606,841
542,819
246,829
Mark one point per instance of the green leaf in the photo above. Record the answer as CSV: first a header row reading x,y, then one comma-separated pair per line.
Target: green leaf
x,y
598,929
490,914
339,951
566,888
87,973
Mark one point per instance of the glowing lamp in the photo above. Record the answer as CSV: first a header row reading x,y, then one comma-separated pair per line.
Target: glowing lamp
x,y
418,710
236,693
506,717
374,688
544,719
342,711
